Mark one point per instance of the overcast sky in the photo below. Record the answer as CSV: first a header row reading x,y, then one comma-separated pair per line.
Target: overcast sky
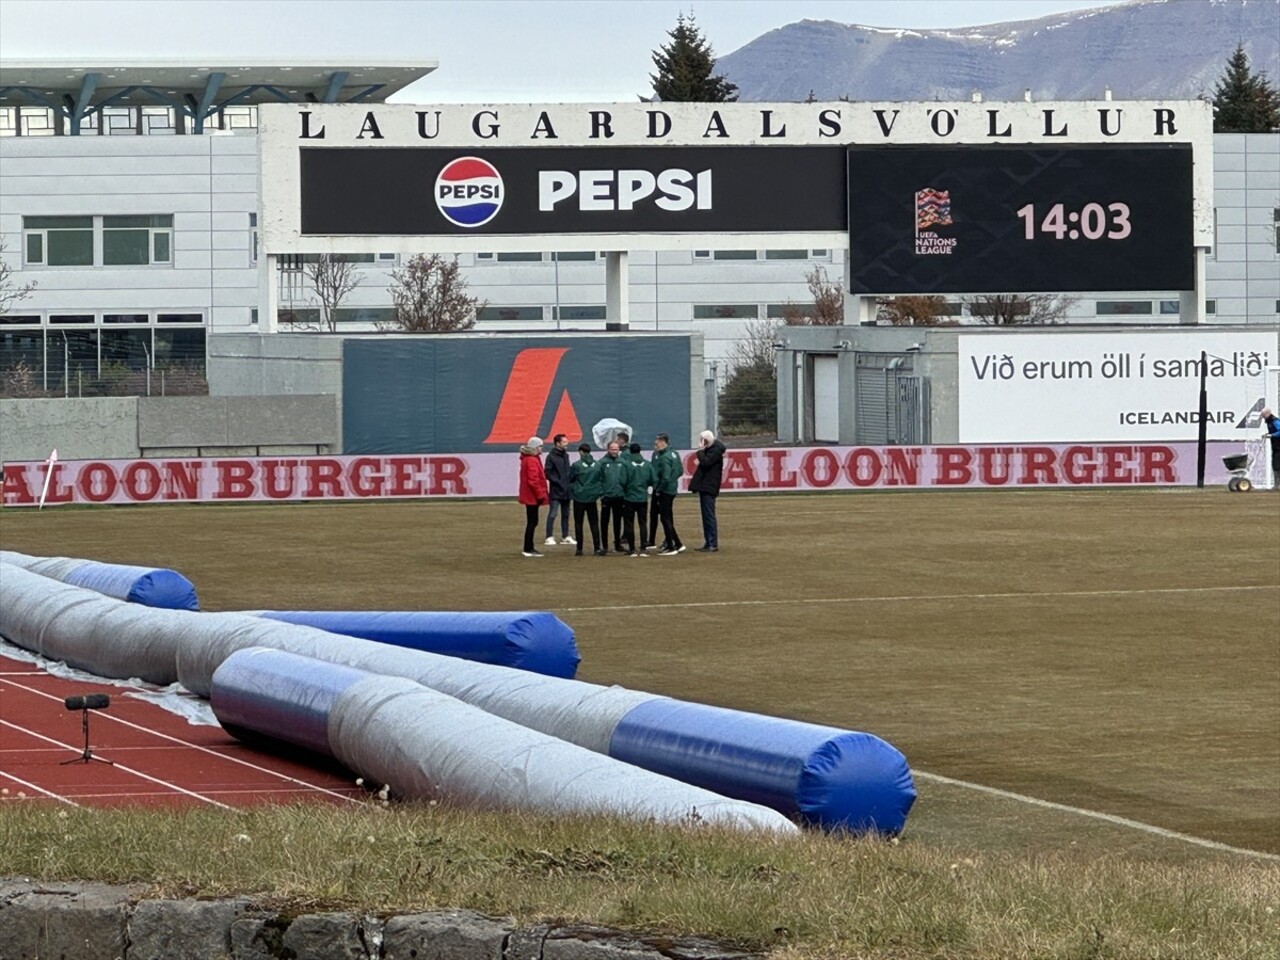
x,y
488,50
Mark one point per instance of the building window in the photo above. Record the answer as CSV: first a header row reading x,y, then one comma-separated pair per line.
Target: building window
x,y
1276,217
734,255
726,311
521,256
566,255
786,254
384,315
125,318
1110,308
253,239
1170,308
484,256
58,241
1210,307
819,254
179,318
137,240
508,314
61,318
16,319
594,312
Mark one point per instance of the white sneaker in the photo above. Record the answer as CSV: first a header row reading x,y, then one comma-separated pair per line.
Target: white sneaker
x,y
569,540
549,542
530,553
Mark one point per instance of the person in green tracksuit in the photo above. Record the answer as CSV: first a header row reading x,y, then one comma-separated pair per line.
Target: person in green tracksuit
x,y
613,474
585,481
635,492
667,470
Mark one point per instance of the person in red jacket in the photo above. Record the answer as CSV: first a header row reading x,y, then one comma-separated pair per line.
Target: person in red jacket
x,y
533,490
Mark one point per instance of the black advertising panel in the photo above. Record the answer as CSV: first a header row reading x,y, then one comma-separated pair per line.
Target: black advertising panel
x,y
423,191
443,394
1020,219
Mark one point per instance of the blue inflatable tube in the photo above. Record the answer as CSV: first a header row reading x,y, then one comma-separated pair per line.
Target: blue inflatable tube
x,y
286,697
164,589
536,641
827,777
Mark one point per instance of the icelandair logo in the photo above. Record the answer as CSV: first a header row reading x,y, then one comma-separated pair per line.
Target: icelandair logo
x,y
527,396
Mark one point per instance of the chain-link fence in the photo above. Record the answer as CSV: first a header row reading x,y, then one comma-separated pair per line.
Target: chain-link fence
x,y
102,362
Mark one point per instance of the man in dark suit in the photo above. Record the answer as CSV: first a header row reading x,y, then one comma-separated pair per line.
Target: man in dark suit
x,y
706,484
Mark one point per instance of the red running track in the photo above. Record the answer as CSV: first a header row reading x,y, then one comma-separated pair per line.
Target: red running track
x,y
159,758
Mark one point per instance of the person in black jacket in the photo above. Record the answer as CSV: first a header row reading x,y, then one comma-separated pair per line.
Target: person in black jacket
x,y
560,490
706,484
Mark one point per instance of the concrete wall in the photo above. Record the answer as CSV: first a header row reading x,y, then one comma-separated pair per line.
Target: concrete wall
x,y
93,428
125,428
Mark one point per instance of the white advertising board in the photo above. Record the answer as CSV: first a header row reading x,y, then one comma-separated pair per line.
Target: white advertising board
x,y
1111,387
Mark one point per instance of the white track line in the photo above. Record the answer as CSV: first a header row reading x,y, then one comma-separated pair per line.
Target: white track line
x,y
195,746
122,767
1030,595
32,786
1095,814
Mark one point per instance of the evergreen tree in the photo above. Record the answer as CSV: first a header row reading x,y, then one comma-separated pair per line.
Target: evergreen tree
x,y
1244,101
684,67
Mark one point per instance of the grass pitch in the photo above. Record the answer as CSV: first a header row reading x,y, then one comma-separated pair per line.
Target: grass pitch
x,y
1115,651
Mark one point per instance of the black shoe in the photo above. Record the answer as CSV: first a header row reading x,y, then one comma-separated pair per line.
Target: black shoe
x,y
706,549
602,553
617,546
577,553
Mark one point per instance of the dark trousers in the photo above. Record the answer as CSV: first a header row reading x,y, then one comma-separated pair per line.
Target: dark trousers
x,y
634,510
615,508
707,501
530,525
655,511
666,513
593,518
562,508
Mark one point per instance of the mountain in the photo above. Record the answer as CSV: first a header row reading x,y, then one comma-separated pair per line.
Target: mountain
x,y
1143,49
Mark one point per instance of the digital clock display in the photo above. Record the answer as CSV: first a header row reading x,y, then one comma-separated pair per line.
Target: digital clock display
x,y
1020,220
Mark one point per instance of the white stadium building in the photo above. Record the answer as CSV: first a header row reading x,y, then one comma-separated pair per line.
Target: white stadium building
x,y
130,194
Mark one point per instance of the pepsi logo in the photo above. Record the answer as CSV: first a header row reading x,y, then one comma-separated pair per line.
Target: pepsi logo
x,y
469,192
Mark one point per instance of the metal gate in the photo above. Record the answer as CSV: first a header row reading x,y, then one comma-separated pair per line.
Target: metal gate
x,y
891,402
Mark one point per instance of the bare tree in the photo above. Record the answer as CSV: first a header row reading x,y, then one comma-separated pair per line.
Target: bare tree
x,y
1011,309
333,277
19,382
914,311
826,308
429,295
11,293
748,400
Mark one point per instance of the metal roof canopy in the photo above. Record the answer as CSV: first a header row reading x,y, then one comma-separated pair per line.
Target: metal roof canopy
x,y
73,89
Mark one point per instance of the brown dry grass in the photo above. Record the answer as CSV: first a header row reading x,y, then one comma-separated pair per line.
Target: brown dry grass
x,y
1113,650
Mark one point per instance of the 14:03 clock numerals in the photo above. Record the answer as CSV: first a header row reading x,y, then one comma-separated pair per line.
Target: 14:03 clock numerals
x,y
1096,222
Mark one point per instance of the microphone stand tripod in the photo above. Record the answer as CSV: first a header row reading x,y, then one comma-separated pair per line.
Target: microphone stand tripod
x,y
87,753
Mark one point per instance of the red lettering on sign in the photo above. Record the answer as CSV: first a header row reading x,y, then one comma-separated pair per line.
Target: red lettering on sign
x,y
448,475
15,486
1038,466
1156,465
97,482
404,480
364,478
820,468
182,479
1115,465
904,467
324,479
953,466
778,476
1078,465
235,480
995,465
738,472
278,478
863,467
142,481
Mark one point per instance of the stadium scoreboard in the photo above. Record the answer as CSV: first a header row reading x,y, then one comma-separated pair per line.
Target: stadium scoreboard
x,y
936,220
